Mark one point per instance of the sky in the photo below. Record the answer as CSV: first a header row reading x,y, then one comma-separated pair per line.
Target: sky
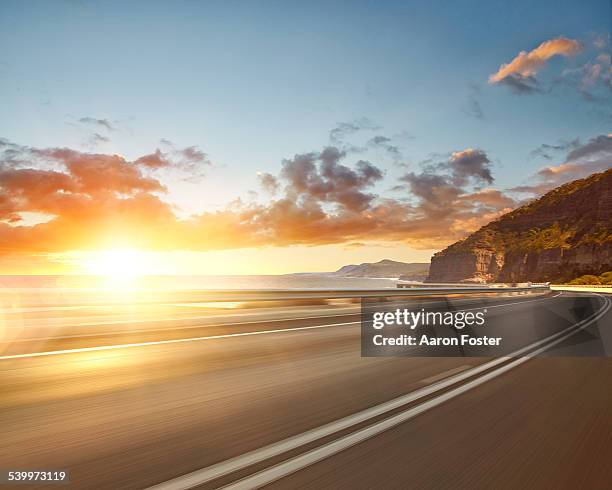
x,y
252,137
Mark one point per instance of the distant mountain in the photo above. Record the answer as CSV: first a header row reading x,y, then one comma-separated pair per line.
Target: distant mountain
x,y
564,234
385,268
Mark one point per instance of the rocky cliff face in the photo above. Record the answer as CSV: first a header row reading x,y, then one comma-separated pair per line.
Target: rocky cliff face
x,y
477,265
564,234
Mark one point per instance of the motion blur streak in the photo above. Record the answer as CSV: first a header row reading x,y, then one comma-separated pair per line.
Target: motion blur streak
x,y
133,418
278,471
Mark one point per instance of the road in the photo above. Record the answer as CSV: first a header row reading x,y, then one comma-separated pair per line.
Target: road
x,y
182,396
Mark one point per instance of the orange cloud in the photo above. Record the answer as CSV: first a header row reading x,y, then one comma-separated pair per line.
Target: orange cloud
x,y
526,64
490,197
583,160
96,201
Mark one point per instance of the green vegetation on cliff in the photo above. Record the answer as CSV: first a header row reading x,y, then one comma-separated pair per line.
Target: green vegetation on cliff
x,y
562,218
589,279
564,234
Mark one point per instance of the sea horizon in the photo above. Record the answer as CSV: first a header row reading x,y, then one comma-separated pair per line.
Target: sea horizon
x,y
197,281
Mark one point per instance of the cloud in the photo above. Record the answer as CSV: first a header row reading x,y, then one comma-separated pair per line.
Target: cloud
x,y
535,190
12,154
99,173
89,200
435,193
191,160
470,164
104,123
97,138
593,75
385,143
546,150
32,191
593,78
521,85
380,140
341,135
597,149
157,159
473,107
94,200
594,156
492,198
580,161
338,134
601,41
268,182
519,74
447,205
319,177
194,156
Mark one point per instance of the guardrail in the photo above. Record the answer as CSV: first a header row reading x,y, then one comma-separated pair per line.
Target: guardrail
x,y
294,294
51,298
609,286
401,284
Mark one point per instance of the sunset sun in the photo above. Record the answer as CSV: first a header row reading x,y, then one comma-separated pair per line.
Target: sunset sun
x,y
119,263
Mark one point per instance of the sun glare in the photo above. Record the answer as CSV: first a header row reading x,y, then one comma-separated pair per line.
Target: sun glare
x,y
121,264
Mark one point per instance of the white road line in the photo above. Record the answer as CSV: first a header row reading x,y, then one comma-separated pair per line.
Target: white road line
x,y
297,463
209,473
208,337
445,374
187,327
189,318
162,342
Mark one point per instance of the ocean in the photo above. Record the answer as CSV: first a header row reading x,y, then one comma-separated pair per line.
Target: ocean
x,y
290,281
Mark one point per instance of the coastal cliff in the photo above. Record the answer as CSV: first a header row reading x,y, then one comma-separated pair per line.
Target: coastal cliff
x,y
562,235
416,271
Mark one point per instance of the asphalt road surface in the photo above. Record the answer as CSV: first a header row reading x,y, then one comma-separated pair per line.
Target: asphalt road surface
x,y
184,396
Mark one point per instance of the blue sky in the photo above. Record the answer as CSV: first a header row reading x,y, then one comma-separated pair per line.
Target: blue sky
x,y
253,82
